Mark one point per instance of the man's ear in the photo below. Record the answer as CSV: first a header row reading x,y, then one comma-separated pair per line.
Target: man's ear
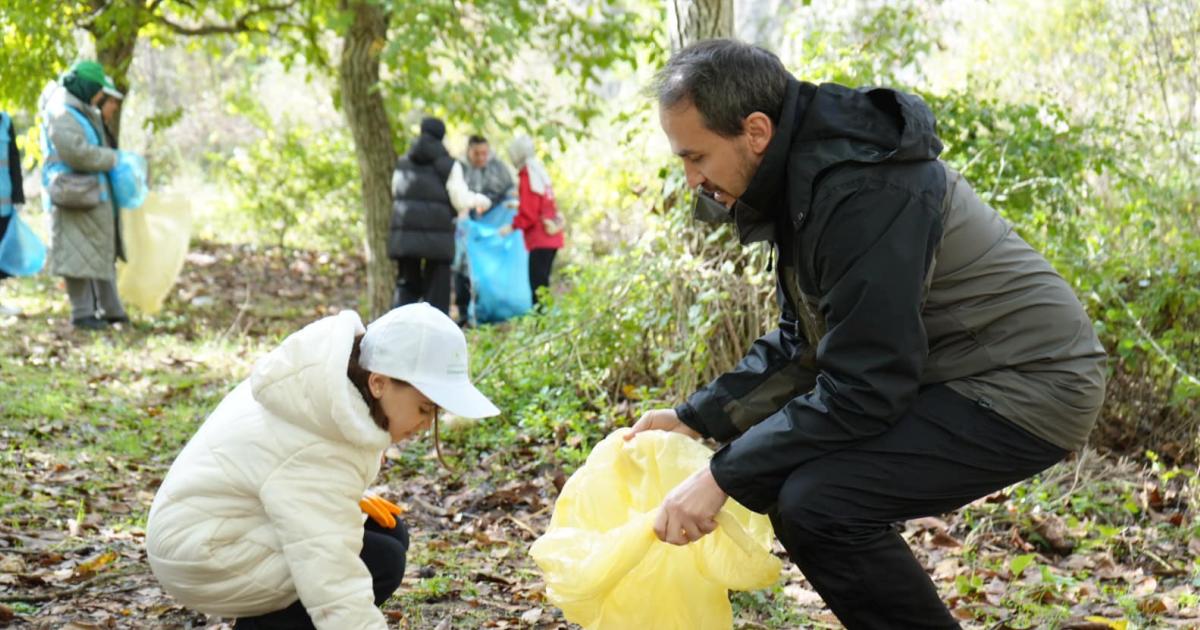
x,y
759,130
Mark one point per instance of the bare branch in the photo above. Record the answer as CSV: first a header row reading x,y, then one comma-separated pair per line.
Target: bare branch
x,y
240,25
98,9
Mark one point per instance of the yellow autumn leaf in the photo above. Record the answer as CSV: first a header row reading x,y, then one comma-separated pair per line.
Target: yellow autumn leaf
x,y
95,564
1115,624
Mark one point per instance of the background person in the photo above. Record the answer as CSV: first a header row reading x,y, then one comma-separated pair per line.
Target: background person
x,y
428,194
537,213
86,229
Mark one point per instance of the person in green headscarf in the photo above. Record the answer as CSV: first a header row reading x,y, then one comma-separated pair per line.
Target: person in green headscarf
x,y
87,81
86,231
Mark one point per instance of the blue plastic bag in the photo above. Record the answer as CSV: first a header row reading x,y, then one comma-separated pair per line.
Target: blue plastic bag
x,y
499,268
129,180
22,253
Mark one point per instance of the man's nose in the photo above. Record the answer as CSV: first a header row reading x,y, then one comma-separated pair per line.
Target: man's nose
x,y
694,177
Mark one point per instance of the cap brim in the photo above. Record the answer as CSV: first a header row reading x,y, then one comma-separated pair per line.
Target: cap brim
x,y
113,93
460,399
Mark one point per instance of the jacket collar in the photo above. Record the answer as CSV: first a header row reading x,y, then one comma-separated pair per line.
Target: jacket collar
x,y
765,201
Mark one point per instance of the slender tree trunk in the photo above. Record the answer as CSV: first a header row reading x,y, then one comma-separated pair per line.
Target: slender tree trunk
x,y
358,76
693,20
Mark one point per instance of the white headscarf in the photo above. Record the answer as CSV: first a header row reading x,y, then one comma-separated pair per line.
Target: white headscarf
x,y
521,154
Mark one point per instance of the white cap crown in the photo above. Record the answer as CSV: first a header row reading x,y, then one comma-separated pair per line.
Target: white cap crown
x,y
420,345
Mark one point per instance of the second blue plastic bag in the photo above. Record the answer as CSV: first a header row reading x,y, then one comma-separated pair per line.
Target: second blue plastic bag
x,y
499,268
129,180
22,253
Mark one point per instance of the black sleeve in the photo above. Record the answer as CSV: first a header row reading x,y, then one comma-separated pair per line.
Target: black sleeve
x,y
778,366
14,166
870,264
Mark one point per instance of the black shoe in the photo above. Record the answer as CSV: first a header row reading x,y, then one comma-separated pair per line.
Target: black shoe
x,y
122,319
90,323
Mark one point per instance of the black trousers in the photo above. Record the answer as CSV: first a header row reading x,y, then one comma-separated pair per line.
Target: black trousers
x,y
836,513
384,552
462,295
422,279
540,263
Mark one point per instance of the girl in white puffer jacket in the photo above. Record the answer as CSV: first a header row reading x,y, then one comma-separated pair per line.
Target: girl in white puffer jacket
x,y
259,516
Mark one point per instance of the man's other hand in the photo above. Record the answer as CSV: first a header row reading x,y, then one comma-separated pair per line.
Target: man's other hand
x,y
661,420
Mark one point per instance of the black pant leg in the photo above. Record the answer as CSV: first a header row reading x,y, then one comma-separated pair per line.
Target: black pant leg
x,y
4,230
294,617
835,514
384,552
462,296
410,284
437,284
541,261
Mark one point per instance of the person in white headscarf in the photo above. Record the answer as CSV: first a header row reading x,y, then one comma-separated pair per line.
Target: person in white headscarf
x,y
537,214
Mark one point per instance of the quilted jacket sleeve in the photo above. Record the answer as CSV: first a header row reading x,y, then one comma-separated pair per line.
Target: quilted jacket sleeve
x,y
312,500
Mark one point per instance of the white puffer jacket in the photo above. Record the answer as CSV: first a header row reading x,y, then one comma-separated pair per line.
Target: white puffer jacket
x,y
261,506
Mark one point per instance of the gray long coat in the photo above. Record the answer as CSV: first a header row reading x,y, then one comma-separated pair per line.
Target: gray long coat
x,y
85,243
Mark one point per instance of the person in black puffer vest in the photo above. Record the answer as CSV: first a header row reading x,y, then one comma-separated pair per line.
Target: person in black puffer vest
x,y
428,194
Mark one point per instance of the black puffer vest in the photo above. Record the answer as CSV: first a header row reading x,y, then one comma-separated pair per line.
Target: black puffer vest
x,y
422,218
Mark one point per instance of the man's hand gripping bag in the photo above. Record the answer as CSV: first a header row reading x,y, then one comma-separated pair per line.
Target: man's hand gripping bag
x,y
605,568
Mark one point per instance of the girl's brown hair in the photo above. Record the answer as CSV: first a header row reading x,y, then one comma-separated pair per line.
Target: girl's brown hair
x,y
358,376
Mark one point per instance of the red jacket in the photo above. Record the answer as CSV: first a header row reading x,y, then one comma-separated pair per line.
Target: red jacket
x,y
532,209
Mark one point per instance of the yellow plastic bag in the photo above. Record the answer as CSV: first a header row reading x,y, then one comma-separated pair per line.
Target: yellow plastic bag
x,y
156,241
605,568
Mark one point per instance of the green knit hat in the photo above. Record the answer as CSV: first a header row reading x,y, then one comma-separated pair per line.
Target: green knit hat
x,y
94,72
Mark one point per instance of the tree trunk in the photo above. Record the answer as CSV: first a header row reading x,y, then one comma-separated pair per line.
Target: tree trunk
x,y
693,20
358,76
114,51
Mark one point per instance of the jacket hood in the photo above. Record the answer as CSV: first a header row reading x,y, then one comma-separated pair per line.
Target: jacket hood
x,y
56,100
427,150
304,382
821,127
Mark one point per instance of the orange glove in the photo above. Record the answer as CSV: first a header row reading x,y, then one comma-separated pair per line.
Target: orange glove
x,y
380,510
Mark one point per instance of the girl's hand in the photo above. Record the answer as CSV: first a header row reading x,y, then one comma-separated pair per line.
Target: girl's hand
x,y
380,510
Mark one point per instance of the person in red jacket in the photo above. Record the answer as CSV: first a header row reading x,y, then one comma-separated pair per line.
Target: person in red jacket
x,y
537,215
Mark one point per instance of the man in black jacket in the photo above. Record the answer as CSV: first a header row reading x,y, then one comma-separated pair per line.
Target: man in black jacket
x,y
925,356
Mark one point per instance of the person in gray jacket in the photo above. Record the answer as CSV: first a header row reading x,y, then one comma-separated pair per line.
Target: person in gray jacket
x,y
487,175
86,223
925,355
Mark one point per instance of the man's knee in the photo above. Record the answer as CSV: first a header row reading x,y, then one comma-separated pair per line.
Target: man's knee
x,y
810,514
799,522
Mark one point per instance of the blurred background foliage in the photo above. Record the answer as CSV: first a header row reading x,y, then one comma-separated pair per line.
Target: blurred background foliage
x,y
1076,119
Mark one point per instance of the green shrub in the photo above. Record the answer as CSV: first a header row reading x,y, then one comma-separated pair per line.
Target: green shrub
x,y
297,185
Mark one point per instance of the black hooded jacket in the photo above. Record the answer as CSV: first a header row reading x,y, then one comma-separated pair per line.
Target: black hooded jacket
x,y
891,275
422,224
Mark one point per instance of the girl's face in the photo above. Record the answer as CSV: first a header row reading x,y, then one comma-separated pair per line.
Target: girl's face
x,y
408,411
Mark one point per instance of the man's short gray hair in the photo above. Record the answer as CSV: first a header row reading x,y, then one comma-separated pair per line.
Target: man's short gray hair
x,y
726,81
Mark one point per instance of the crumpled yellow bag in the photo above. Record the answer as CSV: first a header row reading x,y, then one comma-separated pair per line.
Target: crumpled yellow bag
x,y
605,568
156,242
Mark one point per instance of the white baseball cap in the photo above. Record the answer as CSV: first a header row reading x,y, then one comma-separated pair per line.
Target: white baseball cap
x,y
420,345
